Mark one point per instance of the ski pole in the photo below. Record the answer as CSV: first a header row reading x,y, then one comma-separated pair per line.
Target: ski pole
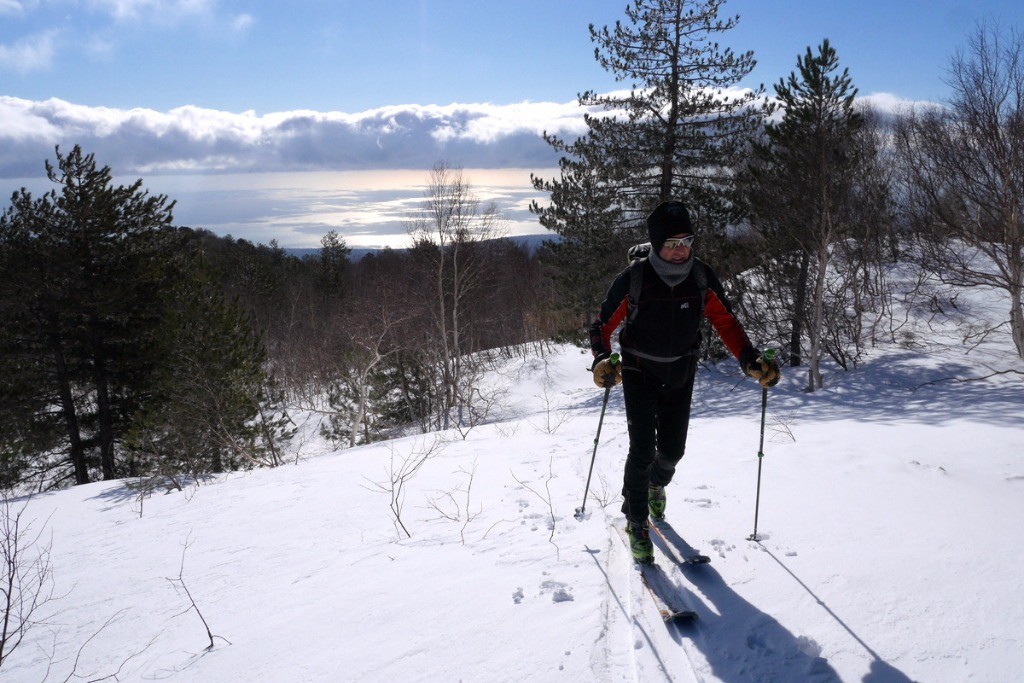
x,y
768,355
581,510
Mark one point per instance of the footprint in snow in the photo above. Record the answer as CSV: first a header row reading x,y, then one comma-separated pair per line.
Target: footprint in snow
x,y
559,591
808,646
721,547
934,468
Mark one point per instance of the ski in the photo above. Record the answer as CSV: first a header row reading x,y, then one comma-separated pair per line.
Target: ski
x,y
673,545
662,590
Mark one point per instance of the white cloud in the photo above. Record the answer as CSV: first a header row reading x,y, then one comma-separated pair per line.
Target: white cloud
x,y
32,53
242,23
889,104
20,125
12,7
156,11
196,139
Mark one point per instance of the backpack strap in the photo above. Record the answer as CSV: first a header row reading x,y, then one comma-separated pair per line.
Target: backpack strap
x,y
636,283
700,275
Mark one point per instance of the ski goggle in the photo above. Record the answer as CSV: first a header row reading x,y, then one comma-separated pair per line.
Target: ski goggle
x,y
676,242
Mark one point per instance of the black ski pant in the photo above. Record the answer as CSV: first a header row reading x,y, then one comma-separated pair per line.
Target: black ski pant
x,y
658,415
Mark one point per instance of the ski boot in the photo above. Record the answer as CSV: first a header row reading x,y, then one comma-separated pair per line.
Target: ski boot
x,y
640,541
656,502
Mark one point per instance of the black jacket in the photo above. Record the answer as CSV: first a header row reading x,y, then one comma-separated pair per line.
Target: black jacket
x,y
666,326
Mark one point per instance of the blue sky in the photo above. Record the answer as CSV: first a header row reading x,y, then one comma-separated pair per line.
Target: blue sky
x,y
352,56
163,88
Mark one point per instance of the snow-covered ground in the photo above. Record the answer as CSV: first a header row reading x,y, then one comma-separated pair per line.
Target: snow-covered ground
x,y
890,514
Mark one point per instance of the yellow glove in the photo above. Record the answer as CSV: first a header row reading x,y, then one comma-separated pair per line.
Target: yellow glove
x,y
766,372
606,373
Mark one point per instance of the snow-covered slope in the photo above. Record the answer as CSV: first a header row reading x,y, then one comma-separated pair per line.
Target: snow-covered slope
x,y
890,514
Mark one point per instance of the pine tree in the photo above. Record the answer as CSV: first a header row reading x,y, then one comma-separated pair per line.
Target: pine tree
x,y
114,337
804,180
85,299
675,135
214,407
333,264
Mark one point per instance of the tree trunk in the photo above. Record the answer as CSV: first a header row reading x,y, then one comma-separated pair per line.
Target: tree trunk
x,y
817,317
360,413
446,354
456,346
1017,321
798,310
70,415
104,412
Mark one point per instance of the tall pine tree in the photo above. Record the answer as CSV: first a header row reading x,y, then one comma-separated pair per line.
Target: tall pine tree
x,y
215,407
85,298
804,185
675,135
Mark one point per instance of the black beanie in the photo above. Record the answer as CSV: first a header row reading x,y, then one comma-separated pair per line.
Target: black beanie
x,y
669,218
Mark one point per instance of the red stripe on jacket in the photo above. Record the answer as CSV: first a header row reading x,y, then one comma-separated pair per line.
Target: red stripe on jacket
x,y
610,326
728,328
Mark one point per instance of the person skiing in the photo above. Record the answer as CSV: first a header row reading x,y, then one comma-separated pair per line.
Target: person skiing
x,y
662,300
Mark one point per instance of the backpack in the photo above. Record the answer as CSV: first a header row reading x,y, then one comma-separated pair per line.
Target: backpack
x,y
637,255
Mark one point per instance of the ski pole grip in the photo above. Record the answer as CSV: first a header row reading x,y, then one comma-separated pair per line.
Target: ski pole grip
x,y
613,359
768,354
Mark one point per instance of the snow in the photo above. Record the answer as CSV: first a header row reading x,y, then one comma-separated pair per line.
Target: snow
x,y
890,521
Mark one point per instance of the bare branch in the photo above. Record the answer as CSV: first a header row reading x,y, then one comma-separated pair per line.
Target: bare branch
x,y
180,581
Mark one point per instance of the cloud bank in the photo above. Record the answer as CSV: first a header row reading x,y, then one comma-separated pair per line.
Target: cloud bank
x,y
293,176
195,140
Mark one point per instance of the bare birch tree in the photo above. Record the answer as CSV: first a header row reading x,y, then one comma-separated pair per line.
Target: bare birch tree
x,y
964,165
450,233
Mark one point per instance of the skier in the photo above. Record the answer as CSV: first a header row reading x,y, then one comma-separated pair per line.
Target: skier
x,y
662,299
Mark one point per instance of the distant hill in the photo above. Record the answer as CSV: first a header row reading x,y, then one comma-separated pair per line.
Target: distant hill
x,y
531,241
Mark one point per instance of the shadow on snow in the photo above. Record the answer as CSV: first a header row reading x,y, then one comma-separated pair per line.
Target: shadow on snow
x,y
739,641
890,389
